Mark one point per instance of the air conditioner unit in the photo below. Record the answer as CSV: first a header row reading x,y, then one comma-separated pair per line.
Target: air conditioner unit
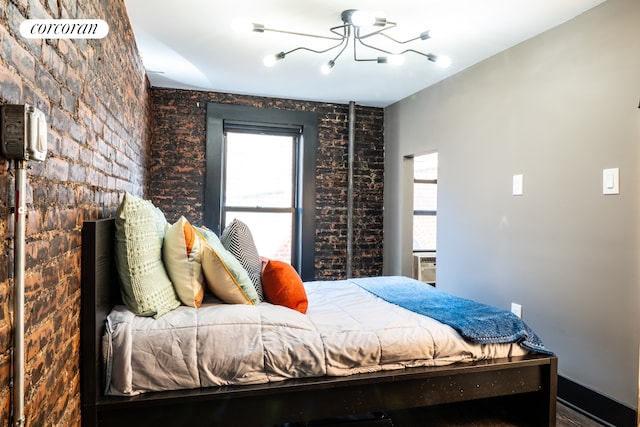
x,y
424,267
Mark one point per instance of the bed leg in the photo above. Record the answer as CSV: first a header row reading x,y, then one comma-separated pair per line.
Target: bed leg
x,y
541,406
548,398
553,391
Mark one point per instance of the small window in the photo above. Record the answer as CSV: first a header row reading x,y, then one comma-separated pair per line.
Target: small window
x,y
425,201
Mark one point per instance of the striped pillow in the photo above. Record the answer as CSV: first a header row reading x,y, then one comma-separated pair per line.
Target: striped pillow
x,y
238,240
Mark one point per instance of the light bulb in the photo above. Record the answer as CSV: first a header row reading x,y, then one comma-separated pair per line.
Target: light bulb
x,y
242,26
326,68
269,60
360,18
443,61
395,60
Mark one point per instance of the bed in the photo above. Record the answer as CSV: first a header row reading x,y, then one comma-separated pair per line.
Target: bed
x,y
532,378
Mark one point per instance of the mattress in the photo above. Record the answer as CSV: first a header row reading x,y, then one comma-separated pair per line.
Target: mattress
x,y
345,331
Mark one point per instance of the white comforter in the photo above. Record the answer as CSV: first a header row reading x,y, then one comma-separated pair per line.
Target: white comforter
x,y
346,330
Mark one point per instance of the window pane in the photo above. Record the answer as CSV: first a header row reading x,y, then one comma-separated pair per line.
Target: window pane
x,y
425,197
259,170
425,166
271,232
424,232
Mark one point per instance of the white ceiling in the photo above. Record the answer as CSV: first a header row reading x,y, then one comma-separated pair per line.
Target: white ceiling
x,y
190,44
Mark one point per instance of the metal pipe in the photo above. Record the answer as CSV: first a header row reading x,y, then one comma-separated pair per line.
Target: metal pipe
x,y
351,143
18,290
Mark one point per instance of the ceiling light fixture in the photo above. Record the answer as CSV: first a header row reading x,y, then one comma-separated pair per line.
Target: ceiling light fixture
x,y
352,31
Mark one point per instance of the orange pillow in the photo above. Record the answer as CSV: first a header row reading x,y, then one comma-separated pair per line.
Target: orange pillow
x,y
283,286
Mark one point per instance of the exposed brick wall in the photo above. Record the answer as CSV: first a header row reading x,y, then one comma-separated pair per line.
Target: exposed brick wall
x,y
95,97
177,171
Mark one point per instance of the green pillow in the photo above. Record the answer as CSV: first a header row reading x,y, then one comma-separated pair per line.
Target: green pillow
x,y
146,287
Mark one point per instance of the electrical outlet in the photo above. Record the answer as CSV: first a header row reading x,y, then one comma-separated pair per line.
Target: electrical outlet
x,y
516,309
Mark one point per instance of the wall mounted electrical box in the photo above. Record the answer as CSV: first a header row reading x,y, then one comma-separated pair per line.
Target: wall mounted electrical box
x,y
23,133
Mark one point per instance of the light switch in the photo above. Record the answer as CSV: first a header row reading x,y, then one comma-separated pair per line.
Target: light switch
x,y
517,185
611,181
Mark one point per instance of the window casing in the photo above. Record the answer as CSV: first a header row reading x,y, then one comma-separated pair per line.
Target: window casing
x,y
223,120
268,204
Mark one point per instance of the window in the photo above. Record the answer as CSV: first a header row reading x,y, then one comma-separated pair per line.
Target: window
x,y
261,170
425,197
260,189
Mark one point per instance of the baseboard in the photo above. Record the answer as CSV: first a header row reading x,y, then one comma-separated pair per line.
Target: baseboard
x,y
595,405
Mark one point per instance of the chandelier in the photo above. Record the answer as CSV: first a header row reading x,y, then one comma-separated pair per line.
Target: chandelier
x,y
360,29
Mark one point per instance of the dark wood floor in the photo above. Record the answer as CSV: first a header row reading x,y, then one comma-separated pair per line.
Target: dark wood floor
x,y
478,417
463,415
570,418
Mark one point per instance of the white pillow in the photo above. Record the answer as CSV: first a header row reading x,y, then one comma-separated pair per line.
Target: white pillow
x,y
182,255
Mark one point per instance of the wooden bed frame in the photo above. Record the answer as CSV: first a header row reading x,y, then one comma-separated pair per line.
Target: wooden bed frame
x,y
533,377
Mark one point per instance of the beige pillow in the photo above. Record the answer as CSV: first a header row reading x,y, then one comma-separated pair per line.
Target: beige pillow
x,y
146,288
224,275
182,255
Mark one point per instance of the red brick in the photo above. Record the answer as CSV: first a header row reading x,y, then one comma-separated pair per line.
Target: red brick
x,y
10,87
5,405
53,62
5,342
57,169
23,61
48,84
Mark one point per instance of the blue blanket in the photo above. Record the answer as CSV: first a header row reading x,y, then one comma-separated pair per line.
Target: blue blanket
x,y
476,322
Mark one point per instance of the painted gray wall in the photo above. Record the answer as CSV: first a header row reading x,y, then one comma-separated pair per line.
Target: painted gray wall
x,y
558,109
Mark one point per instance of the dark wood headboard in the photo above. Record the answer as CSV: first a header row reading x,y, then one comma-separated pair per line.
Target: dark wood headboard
x,y
100,292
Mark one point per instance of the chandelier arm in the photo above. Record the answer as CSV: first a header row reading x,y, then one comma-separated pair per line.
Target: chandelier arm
x,y
388,26
398,41
346,42
355,49
365,60
344,28
427,55
301,34
316,51
369,46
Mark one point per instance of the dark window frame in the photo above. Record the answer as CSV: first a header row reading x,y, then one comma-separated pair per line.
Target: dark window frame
x,y
228,116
